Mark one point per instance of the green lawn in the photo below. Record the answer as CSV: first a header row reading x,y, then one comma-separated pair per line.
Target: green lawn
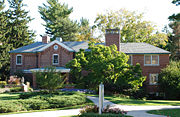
x,y
167,112
126,101
9,96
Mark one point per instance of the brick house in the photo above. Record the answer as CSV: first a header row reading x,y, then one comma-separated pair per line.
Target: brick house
x,y
38,55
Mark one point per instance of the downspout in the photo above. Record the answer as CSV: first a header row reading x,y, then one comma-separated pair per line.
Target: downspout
x,y
37,59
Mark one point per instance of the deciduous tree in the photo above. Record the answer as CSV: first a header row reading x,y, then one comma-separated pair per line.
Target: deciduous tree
x,y
132,27
105,64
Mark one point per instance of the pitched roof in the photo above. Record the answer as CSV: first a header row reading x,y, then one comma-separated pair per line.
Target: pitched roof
x,y
141,48
38,47
128,48
31,48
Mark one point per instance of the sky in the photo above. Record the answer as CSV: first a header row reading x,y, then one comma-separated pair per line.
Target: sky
x,y
156,11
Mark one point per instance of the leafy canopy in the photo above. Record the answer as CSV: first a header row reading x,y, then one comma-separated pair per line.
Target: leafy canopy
x,y
105,64
169,80
133,27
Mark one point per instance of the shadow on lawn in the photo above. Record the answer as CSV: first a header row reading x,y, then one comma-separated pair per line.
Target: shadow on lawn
x,y
125,101
9,96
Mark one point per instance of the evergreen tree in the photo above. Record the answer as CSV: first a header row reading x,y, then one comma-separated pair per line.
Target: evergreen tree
x,y
175,36
4,47
58,23
19,34
14,33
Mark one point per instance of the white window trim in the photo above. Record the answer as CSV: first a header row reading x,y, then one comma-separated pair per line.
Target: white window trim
x,y
151,60
16,59
150,79
53,59
131,59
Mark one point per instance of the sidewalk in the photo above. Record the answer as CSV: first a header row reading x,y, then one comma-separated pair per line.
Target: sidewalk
x,y
46,113
135,111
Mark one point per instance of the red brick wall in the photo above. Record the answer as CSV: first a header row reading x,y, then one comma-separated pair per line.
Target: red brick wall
x,y
28,61
46,56
42,59
147,70
112,38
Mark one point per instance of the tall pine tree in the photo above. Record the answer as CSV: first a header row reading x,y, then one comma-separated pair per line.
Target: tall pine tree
x,y
14,33
4,46
58,23
19,33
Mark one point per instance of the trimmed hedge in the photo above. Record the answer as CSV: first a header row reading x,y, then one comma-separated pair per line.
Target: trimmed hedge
x,y
41,100
102,115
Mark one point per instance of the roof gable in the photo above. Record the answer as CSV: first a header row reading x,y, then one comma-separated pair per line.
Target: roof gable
x,y
57,42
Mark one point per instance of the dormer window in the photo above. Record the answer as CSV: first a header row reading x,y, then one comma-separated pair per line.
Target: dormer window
x,y
18,59
55,59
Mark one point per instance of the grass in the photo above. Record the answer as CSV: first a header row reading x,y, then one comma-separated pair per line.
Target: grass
x,y
126,101
9,96
166,112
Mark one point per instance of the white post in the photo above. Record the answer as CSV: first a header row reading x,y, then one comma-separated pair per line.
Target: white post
x,y
101,97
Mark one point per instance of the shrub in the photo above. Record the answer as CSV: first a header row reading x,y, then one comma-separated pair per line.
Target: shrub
x,y
16,89
102,115
50,79
11,106
169,80
64,101
107,109
34,104
3,84
42,100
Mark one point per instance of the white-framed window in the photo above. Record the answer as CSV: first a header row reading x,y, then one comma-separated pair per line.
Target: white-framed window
x,y
19,59
55,47
130,60
153,79
151,60
55,59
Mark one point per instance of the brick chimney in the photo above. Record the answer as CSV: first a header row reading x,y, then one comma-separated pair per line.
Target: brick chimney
x,y
112,36
45,39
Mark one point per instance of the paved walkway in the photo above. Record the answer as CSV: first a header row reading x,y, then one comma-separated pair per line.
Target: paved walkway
x,y
46,113
135,111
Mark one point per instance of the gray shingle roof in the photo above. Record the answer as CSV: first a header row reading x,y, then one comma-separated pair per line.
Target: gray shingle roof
x,y
31,48
128,48
141,48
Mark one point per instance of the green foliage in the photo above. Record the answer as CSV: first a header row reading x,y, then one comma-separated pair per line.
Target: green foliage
x,y
169,80
105,64
50,79
133,27
16,89
11,106
102,115
107,109
14,32
2,84
175,17
58,23
42,100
